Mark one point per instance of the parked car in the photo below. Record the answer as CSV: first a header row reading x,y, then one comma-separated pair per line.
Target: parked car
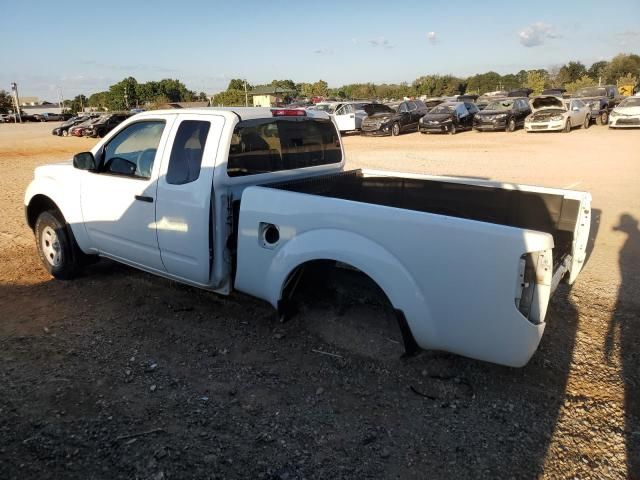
x,y
349,115
394,120
557,92
505,114
104,125
63,128
48,117
449,117
626,114
4,117
78,130
147,196
600,100
520,92
551,113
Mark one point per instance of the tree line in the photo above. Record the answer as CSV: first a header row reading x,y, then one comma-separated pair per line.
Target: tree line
x,y
128,93
623,68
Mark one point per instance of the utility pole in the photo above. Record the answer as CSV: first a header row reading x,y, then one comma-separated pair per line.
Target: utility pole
x,y
60,100
246,96
16,99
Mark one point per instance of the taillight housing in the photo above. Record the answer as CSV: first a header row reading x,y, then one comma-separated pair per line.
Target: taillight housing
x,y
288,112
535,276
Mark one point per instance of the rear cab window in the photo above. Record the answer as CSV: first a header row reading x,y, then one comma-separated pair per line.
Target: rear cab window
x,y
267,145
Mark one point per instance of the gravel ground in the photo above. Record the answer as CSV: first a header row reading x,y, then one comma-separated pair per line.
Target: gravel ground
x,y
120,374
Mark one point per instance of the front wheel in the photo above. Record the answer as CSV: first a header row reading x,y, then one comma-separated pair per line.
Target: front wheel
x,y
604,118
453,130
567,127
395,129
511,125
65,133
56,247
587,122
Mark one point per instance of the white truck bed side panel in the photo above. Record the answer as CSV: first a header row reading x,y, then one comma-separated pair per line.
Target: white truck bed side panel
x,y
454,279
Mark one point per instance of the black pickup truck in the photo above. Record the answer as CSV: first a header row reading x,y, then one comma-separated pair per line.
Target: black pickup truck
x,y
601,100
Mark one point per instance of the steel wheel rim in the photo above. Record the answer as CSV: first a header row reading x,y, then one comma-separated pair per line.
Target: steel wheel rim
x,y
396,129
51,247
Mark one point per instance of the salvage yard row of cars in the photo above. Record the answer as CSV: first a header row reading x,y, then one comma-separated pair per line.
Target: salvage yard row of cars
x,y
550,111
92,125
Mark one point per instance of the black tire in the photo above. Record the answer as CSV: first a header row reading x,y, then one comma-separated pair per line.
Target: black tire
x,y
511,125
604,118
395,129
567,126
56,246
453,130
587,122
65,133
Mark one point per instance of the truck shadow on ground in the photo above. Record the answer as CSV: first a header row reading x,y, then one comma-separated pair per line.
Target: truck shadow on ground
x,y
623,337
347,405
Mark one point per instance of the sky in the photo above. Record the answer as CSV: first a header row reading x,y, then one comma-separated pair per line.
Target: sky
x,y
83,47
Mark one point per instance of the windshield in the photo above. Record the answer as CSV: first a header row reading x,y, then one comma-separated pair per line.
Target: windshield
x,y
374,108
442,109
630,102
500,105
325,107
591,92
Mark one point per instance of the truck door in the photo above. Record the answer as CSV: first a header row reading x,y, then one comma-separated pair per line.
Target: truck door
x,y
184,213
345,118
117,200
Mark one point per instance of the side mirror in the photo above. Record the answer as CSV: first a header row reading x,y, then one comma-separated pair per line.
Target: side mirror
x,y
84,161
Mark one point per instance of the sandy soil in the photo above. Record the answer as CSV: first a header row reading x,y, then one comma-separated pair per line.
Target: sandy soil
x,y
123,375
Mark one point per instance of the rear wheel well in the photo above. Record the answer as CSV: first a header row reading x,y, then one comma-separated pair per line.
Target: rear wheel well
x,y
39,204
309,278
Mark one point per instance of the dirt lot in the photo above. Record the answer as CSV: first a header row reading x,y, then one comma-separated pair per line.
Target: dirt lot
x,y
120,374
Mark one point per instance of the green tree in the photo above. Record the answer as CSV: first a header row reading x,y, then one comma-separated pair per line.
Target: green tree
x,y
6,103
287,84
535,81
123,95
320,88
620,66
78,103
582,82
571,72
238,84
597,70
229,98
484,82
202,97
99,100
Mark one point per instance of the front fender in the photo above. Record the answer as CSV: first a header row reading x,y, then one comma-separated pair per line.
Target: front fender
x,y
263,272
66,197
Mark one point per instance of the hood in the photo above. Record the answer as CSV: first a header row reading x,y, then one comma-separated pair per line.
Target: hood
x,y
54,170
627,110
438,117
381,116
545,102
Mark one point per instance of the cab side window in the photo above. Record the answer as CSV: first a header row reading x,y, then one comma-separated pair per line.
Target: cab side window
x,y
403,108
186,154
132,152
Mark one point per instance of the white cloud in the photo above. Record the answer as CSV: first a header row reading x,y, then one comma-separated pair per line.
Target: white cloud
x,y
380,42
432,37
536,34
323,51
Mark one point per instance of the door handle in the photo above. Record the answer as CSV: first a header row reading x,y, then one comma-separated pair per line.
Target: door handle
x,y
144,198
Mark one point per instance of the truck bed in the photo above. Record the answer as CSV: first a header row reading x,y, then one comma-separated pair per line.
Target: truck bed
x,y
545,212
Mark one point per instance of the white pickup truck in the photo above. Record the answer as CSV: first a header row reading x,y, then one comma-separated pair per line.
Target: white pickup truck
x,y
251,198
